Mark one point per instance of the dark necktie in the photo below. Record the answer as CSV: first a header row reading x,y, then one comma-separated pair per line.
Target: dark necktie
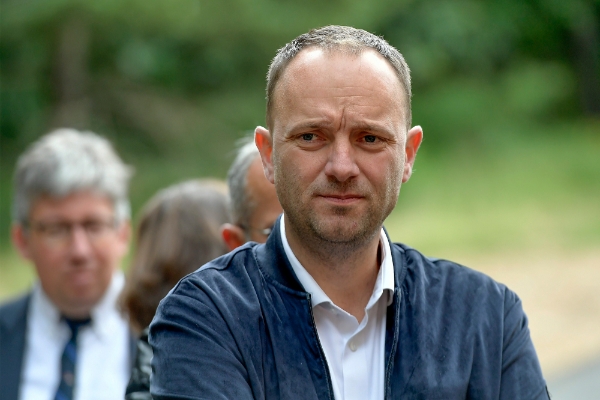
x,y
69,360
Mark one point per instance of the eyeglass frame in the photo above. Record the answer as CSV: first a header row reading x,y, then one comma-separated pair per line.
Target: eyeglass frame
x,y
263,231
59,233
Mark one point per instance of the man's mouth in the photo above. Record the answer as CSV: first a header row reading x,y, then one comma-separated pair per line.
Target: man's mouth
x,y
341,198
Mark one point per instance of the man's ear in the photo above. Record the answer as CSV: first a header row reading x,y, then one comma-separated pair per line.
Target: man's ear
x,y
414,137
20,240
262,139
233,236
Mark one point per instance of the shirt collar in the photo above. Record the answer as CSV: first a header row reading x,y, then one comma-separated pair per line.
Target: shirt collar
x,y
383,284
105,316
44,312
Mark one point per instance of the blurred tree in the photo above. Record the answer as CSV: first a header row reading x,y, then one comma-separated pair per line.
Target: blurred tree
x,y
480,68
174,83
143,67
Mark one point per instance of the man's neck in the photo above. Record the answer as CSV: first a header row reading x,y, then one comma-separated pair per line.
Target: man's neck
x,y
346,272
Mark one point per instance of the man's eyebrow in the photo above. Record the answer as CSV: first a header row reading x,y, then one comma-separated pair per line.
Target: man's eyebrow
x,y
371,127
309,125
325,123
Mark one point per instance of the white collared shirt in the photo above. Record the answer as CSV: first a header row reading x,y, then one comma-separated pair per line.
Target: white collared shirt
x,y
103,359
355,352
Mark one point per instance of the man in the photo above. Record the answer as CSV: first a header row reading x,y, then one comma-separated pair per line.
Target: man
x,y
254,203
328,307
65,339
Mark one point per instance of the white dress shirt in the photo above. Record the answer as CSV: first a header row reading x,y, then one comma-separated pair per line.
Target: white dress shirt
x,y
103,359
355,352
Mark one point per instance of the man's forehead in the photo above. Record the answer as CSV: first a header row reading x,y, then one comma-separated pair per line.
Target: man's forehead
x,y
312,68
302,68
314,54
82,201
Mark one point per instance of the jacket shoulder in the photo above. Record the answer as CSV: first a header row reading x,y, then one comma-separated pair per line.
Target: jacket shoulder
x,y
14,310
217,282
226,267
447,277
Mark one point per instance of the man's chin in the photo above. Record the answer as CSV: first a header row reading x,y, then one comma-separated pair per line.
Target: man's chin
x,y
347,232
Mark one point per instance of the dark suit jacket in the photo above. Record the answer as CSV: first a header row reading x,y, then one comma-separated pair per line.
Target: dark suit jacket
x,y
13,325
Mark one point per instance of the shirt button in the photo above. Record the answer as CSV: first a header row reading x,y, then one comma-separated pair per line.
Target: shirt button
x,y
352,346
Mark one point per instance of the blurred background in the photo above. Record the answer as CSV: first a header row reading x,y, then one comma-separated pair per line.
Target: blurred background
x,y
508,93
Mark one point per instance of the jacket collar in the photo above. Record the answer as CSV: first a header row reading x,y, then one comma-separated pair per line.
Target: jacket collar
x,y
272,260
14,315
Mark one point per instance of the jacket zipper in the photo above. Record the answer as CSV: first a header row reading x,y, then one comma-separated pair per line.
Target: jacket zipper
x,y
321,352
393,346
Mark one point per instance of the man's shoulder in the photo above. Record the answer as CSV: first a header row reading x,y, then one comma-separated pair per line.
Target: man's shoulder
x,y
226,266
223,274
14,311
226,288
444,274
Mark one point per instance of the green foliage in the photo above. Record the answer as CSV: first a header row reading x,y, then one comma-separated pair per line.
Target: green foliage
x,y
174,83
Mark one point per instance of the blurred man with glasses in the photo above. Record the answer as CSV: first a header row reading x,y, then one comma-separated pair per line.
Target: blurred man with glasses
x,y
65,339
254,203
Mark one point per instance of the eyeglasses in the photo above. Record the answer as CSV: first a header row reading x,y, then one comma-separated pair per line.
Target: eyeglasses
x,y
60,233
263,231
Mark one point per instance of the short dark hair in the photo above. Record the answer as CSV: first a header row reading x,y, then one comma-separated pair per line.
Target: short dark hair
x,y
339,38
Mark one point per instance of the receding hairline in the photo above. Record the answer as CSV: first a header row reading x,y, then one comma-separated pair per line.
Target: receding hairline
x,y
350,50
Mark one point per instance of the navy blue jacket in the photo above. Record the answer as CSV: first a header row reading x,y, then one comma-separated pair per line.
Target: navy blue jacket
x,y
241,327
13,325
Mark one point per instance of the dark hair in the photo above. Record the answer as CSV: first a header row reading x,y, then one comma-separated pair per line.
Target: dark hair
x,y
178,232
338,38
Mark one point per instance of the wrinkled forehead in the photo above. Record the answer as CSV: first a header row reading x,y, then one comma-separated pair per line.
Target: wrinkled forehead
x,y
77,204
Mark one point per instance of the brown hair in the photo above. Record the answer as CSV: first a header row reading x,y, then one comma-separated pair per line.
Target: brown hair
x,y
178,232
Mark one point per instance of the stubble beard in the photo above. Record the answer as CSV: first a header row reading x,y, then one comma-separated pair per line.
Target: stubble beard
x,y
340,234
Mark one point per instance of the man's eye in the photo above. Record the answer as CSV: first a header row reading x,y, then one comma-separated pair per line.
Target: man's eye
x,y
308,136
370,138
55,229
93,226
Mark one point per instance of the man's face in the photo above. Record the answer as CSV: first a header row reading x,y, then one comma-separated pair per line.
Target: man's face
x,y
266,208
340,146
75,247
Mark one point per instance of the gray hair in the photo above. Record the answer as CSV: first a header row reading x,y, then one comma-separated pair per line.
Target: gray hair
x,y
242,204
66,161
338,38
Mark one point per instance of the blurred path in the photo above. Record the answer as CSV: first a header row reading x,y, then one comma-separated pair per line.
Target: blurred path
x,y
561,296
582,384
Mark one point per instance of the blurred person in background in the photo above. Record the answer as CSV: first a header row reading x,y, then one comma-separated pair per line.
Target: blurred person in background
x,y
184,227
254,203
328,307
65,339
179,231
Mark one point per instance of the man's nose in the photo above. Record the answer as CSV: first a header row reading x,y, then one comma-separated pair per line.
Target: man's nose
x,y
80,245
342,161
